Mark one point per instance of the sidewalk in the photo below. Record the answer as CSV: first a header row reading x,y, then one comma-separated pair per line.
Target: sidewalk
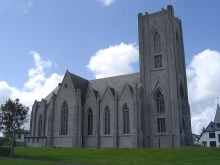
x,y
40,161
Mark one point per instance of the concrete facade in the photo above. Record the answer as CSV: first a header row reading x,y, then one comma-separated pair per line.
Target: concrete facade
x,y
138,92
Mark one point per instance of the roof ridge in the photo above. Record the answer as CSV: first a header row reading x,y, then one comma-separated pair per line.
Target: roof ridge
x,y
114,76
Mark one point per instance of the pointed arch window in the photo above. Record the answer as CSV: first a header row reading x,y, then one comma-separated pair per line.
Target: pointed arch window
x,y
106,121
40,125
160,103
90,121
126,126
64,119
157,49
156,42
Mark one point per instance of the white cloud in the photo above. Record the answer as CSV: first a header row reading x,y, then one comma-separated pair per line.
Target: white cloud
x,y
115,60
203,74
37,87
25,7
107,2
204,87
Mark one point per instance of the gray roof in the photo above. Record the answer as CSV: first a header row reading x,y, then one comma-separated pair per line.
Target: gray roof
x,y
79,83
117,82
217,115
48,97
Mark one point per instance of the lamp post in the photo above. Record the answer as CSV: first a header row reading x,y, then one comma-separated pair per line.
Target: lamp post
x,y
13,127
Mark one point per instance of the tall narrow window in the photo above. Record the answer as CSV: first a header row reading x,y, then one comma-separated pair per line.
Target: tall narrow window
x,y
126,128
90,121
157,51
158,61
160,103
156,42
107,121
161,125
40,122
64,118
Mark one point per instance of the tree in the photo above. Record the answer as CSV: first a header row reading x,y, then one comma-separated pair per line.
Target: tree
x,y
7,118
202,130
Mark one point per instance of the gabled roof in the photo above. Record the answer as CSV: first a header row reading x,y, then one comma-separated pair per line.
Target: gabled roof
x,y
48,97
217,115
197,136
212,127
79,83
117,82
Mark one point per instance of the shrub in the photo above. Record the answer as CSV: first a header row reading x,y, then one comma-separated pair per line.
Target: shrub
x,y
1,141
5,151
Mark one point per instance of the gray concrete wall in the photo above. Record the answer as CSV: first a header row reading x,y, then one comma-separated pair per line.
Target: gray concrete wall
x,y
126,97
66,93
90,102
108,99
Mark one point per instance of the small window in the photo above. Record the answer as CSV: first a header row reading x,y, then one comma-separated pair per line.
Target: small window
x,y
156,42
218,125
19,136
161,125
160,103
219,138
211,135
158,61
212,143
204,144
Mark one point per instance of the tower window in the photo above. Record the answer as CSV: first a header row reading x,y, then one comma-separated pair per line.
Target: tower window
x,y
160,103
157,42
161,125
158,61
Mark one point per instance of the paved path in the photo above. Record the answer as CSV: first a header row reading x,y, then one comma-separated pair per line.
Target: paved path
x,y
40,161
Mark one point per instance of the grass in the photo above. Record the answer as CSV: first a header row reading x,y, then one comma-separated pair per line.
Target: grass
x,y
19,162
147,156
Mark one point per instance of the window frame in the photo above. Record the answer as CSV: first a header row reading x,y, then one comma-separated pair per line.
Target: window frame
x,y
107,121
64,119
160,103
90,121
211,135
126,123
161,125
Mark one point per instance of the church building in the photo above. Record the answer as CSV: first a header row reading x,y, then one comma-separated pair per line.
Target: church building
x,y
145,109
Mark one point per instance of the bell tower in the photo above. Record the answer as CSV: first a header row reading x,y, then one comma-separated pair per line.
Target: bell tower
x,y
166,109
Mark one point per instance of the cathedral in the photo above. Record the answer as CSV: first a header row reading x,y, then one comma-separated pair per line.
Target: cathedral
x,y
145,109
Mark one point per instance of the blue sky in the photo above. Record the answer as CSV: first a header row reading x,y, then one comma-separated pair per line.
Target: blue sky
x,y
68,33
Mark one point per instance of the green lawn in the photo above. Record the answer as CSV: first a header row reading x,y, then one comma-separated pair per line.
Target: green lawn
x,y
147,156
19,162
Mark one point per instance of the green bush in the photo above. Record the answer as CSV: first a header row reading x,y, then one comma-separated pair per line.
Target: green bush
x,y
1,141
5,151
